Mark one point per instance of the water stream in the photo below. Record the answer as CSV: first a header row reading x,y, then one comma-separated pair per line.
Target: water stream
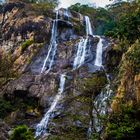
x,y
82,46
66,14
101,101
42,126
99,52
88,26
52,48
101,107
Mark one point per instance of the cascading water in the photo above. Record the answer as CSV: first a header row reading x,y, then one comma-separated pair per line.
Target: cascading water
x,y
99,52
82,46
101,101
100,110
66,14
101,107
42,126
80,56
88,26
53,47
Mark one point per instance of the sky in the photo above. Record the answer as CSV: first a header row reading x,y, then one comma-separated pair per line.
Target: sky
x,y
67,3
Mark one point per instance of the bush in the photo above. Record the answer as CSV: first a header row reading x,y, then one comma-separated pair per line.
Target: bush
x,y
94,84
124,124
25,45
6,71
22,133
5,108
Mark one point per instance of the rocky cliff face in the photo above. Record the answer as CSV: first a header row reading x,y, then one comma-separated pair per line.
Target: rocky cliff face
x,y
25,38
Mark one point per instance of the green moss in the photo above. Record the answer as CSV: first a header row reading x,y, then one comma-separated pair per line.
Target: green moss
x,y
5,108
22,133
26,44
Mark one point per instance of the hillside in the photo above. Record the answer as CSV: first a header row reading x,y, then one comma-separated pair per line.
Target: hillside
x,y
69,74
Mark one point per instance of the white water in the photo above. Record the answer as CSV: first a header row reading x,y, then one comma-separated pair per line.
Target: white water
x,y
82,46
99,52
42,126
101,107
81,52
66,14
52,48
88,26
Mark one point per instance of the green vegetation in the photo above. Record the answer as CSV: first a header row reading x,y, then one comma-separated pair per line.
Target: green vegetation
x,y
131,59
5,108
83,9
127,25
17,104
6,71
22,133
119,20
43,8
26,44
93,85
124,124
46,3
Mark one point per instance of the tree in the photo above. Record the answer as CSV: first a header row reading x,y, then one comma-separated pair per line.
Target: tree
x,y
127,20
42,1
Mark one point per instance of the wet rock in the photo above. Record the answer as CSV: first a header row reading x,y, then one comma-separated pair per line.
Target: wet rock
x,y
63,23
4,129
71,118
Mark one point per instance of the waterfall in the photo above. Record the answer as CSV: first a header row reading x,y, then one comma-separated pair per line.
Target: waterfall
x,y
42,126
82,46
99,52
66,14
88,26
81,52
52,47
101,107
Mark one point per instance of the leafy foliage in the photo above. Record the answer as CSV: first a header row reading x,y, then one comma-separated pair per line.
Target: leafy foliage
x,y
126,16
119,20
22,133
6,71
5,108
43,8
124,124
25,45
83,9
93,85
53,2
131,60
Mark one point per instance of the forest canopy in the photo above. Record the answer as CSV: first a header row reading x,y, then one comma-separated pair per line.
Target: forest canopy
x,y
118,20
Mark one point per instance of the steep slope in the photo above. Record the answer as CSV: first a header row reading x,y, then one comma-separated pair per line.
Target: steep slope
x,y
26,41
59,79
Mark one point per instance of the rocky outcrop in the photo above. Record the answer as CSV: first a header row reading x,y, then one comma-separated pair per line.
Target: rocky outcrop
x,y
26,37
128,89
4,130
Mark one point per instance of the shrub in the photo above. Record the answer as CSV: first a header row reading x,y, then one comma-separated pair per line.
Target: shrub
x,y
94,84
22,133
5,108
124,124
25,45
6,71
